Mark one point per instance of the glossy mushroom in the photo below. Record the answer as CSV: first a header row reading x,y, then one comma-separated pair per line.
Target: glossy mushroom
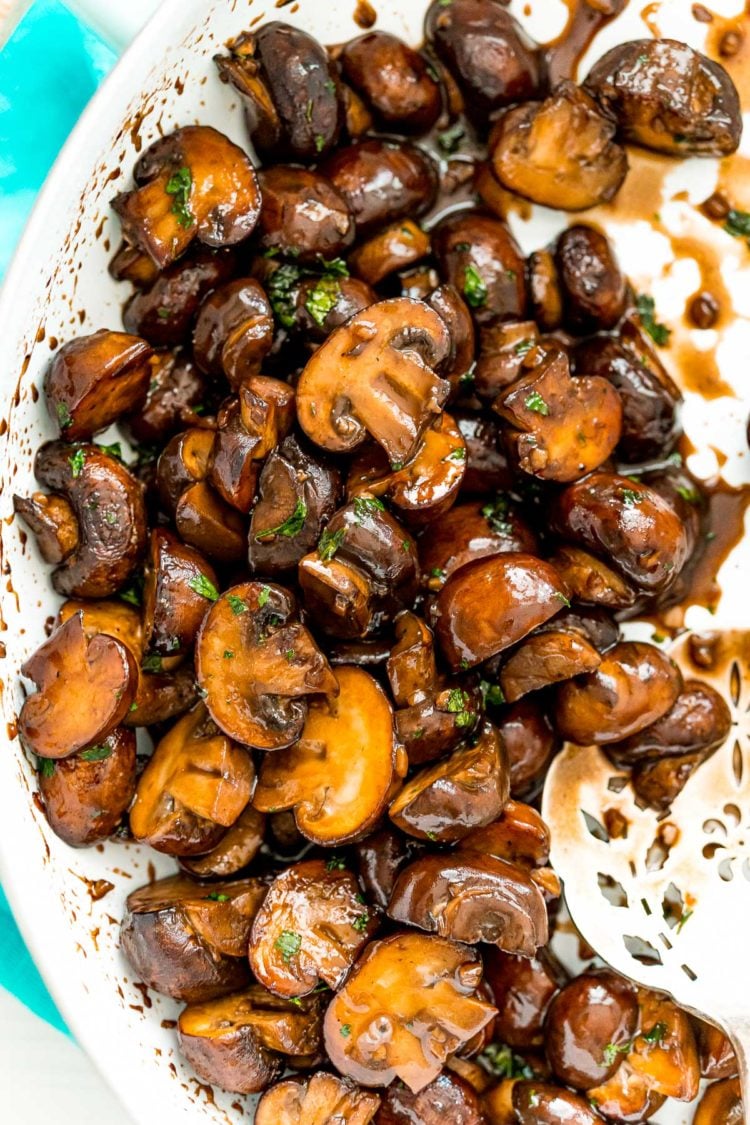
x,y
393,79
587,1023
179,588
382,182
479,257
234,331
321,1097
163,313
303,215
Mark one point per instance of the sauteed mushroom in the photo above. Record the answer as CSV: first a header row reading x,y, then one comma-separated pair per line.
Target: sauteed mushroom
x,y
448,1098
587,1022
303,215
523,988
234,331
593,288
393,79
236,849
164,312
479,257
322,1097
178,579
382,182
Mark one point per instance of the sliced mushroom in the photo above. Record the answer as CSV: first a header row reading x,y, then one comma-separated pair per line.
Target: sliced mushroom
x,y
587,1025
388,250
518,835
383,182
167,934
162,695
522,988
411,664
115,618
338,775
657,784
193,183
559,152
489,605
86,794
176,393
310,929
666,96
446,801
479,257
195,785
92,380
183,461
234,331
448,1099
479,529
626,1096
322,1097
721,1104
546,658
131,264
531,744
394,80
53,522
715,1051
98,671
164,312
235,850
205,521
410,1002
376,374
665,1052
240,443
698,721
594,289
241,1042
448,302
179,588
589,579
303,215
435,725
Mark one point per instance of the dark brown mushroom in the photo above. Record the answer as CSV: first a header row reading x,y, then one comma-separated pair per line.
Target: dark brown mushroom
x,y
183,461
193,183
522,988
380,857
205,521
476,530
234,331
721,1104
164,312
303,215
501,359
235,850
487,468
162,694
593,287
382,182
538,1103
53,522
479,257
131,264
546,658
325,303
589,579
715,1052
531,744
545,297
447,1099
657,784
180,586
626,1096
587,1024
394,80
411,668
176,394
321,1097
388,250
448,302
519,835
92,380
698,721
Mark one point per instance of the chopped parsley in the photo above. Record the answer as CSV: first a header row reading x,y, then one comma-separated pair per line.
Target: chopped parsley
x,y
345,1030
366,504
113,450
523,347
163,314
151,663
536,403
77,462
228,654
646,309
46,766
738,224
688,493
630,497
133,707
458,454
216,897
322,299
290,527
236,605
437,572
288,944
656,1034
491,693
335,863
561,597
110,518
64,417
199,584
290,654
500,1060
263,596
320,142
612,1050
496,515
329,543
450,139
281,288
179,185
333,267
361,923
475,289
458,705
684,917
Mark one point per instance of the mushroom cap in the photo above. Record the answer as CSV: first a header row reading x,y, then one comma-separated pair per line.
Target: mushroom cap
x,y
321,1097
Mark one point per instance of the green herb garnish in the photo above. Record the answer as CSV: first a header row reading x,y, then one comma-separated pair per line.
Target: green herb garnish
x,y
322,298
335,863
475,289
345,1030
360,923
458,705
491,693
363,505
290,527
646,309
179,185
288,944
113,450
151,663
199,584
536,403
738,224
263,596
630,497
236,605
281,288
450,139
612,1050
656,1034
77,462
500,1060
216,897
496,515
329,543
63,416
46,766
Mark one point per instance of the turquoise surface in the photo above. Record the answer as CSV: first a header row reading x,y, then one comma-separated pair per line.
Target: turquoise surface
x,y
49,69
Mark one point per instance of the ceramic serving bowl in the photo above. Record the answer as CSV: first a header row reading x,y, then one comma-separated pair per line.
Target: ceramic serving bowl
x,y
68,903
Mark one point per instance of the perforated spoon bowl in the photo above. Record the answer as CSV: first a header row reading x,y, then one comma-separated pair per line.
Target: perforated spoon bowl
x,y
668,903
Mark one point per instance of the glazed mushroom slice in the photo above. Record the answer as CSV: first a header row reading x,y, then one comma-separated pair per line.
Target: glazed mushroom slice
x,y
715,1052
666,96
390,249
545,296
486,50
114,617
166,949
480,258
522,988
531,744
183,461
489,605
563,427
179,588
411,668
256,664
241,1042
546,658
560,152
131,264
164,312
310,930
448,1098
53,522
194,786
337,777
589,580
518,835
436,724
626,1096
446,801
290,91
594,289
450,305
383,182
636,530
303,215
205,521
540,1103
234,331
721,1104
92,380
192,184
425,487
502,355
472,898
86,795
321,1097
410,1002
377,375
657,784
394,80
247,428
108,510
100,672
635,684
380,857
665,1052
479,529
587,1025
699,721
176,393
236,849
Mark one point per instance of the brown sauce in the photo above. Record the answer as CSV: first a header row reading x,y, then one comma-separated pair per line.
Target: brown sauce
x,y
641,195
728,42
365,15
563,54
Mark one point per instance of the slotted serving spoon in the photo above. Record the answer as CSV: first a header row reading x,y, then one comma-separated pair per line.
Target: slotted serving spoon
x,y
668,904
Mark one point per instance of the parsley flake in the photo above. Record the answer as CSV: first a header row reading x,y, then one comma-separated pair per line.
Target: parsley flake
x,y
536,403
64,417
77,462
500,1060
335,863
290,527
475,289
361,922
46,766
216,897
345,1030
656,1034
236,605
450,139
363,505
199,584
180,185
321,299
646,308
630,497
738,224
263,596
288,944
329,543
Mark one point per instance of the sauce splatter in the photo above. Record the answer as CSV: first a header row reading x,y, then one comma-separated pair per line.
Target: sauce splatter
x,y
365,15
563,54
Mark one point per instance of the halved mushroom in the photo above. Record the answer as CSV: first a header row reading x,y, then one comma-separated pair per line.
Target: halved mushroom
x,y
531,744
234,331
195,785
290,90
589,579
522,988
448,1099
657,784
698,721
383,182
715,1051
176,393
493,60
626,1096
96,530
540,1103
388,250
489,605
86,794
242,1042
545,297
479,529
588,1024
637,531
518,835
563,427
437,723
92,380
320,1098
162,695
235,850
664,1051
448,302
193,183
546,658
338,775
480,258
487,468
635,684
179,588
721,1104
560,152
446,801
410,1002
310,929
205,521
427,485
169,929
594,289
131,264
303,215
256,663
376,374
666,96
325,303
247,428
164,312
100,672
503,348
380,857
411,664
394,80
183,461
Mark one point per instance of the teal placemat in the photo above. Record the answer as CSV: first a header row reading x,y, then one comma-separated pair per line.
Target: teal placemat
x,y
49,69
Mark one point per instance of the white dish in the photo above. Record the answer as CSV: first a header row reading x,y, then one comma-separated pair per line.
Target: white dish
x,y
59,287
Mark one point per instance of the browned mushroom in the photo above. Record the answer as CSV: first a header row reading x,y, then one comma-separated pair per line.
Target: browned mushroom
x,y
131,264
447,1099
392,248
476,530
394,80
489,605
588,1024
479,256
721,1104
170,932
92,380
162,695
594,290
589,579
518,835
503,348
658,783
325,303
195,785
626,1096
531,745
545,297
664,1051
235,850
234,331
546,658
241,1042
448,302
205,521
164,312
111,616
410,1002
698,721
303,215
376,374
559,152
175,396
321,1097
635,684
338,775
193,183
183,461
247,428
411,662
715,1051
522,988
180,585
380,857
666,96
382,182
446,801
539,1103
53,522
86,794
256,663
487,468
100,672
310,929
